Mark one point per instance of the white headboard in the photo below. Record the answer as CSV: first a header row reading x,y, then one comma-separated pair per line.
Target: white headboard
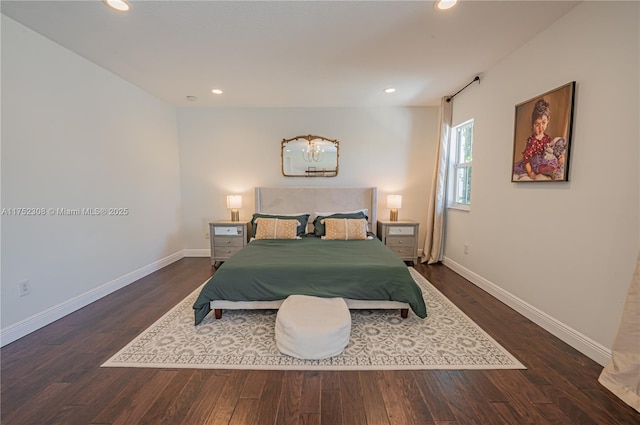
x,y
288,200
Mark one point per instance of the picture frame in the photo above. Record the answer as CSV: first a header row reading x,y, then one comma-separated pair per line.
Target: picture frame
x,y
542,136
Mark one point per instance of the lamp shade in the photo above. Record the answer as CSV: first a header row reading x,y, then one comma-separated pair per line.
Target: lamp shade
x,y
234,202
394,201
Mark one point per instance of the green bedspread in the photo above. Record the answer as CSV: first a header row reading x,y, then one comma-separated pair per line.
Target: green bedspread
x,y
267,270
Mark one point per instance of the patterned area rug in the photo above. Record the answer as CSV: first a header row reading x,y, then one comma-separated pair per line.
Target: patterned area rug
x,y
380,339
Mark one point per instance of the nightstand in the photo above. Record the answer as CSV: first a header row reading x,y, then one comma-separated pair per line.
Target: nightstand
x,y
227,238
401,237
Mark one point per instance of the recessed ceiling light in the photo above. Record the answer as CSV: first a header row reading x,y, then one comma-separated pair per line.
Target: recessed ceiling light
x,y
445,4
216,91
389,90
120,5
192,98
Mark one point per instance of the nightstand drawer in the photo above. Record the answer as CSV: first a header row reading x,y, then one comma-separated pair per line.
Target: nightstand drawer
x,y
228,230
400,230
226,241
400,241
225,252
404,251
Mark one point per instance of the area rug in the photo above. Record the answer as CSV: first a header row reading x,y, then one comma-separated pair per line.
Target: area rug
x,y
380,339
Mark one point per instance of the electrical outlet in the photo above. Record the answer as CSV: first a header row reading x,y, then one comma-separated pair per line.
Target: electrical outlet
x,y
466,248
25,288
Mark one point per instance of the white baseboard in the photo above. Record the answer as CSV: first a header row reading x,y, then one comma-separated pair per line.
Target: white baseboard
x,y
39,320
577,340
192,252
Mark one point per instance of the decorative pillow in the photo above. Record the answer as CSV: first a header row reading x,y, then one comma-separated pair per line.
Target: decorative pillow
x,y
276,228
301,218
345,229
316,214
326,214
318,225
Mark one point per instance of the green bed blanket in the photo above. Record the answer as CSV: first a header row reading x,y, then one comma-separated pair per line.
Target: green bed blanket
x,y
267,270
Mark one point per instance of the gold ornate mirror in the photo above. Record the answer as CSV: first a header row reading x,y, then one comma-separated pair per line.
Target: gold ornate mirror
x,y
309,156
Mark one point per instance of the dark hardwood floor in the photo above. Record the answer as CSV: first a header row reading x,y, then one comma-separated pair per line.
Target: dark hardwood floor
x,y
53,375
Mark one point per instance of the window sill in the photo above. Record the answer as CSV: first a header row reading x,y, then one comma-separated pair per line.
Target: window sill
x,y
460,207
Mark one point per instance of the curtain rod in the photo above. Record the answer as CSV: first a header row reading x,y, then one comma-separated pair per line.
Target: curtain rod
x,y
477,78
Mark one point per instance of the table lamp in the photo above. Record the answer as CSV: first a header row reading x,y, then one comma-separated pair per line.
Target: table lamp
x,y
234,202
394,202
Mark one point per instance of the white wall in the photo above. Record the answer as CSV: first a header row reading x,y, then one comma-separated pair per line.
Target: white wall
x,y
567,251
77,136
228,151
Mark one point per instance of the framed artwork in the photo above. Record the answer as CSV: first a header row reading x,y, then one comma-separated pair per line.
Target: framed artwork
x,y
542,136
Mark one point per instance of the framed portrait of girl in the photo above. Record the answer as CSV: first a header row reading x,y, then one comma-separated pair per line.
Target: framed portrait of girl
x,y
542,136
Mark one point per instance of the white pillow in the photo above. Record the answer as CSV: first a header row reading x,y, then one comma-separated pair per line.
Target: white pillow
x,y
265,213
364,211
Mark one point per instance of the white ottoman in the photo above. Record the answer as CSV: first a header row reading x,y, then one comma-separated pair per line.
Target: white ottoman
x,y
312,327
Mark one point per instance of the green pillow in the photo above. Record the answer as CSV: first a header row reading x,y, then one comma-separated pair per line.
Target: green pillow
x,y
302,218
318,227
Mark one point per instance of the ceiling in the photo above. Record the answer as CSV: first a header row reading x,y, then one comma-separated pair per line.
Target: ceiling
x,y
292,53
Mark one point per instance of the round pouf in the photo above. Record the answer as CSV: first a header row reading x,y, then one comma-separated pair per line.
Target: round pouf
x,y
312,327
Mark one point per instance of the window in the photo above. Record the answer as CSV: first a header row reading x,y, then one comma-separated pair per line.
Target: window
x,y
460,165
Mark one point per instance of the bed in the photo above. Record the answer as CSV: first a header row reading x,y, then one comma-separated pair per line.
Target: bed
x,y
364,272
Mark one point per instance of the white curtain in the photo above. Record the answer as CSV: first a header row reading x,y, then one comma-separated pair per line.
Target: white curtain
x,y
433,244
621,375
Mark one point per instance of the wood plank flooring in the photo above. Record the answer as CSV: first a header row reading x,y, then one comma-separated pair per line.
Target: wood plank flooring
x,y
53,375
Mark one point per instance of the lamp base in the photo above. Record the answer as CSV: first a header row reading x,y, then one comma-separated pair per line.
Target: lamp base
x,y
235,215
393,215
